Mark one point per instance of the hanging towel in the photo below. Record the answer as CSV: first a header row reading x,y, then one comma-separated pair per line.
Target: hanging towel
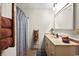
x,y
6,22
5,43
35,35
5,33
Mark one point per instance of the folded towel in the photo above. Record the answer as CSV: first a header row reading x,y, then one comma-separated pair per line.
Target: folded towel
x,y
5,43
6,22
5,33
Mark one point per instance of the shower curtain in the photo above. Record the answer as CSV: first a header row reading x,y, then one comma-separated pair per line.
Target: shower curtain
x,y
21,32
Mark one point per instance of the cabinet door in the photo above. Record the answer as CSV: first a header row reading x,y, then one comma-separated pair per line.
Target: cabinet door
x,y
52,49
47,46
65,50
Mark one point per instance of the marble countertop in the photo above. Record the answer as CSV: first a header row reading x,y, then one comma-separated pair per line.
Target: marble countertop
x,y
70,33
58,41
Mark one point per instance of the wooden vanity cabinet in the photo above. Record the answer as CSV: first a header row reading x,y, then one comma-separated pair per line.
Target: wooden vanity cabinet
x,y
55,47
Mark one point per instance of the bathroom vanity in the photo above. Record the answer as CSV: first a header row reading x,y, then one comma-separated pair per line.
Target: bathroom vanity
x,y
55,47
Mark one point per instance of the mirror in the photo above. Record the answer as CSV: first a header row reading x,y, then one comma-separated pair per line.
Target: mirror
x,y
64,16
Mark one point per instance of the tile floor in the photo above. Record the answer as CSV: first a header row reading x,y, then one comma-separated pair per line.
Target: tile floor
x,y
35,52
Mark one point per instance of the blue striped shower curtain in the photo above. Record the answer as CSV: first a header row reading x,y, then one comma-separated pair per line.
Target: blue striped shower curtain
x,y
21,32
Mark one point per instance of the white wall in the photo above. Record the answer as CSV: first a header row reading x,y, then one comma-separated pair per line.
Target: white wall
x,y
7,12
39,18
11,51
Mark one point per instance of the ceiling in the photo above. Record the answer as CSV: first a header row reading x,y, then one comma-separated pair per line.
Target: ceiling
x,y
35,5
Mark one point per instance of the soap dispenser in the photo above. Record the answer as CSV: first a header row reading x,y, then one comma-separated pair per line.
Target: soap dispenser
x,y
52,31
